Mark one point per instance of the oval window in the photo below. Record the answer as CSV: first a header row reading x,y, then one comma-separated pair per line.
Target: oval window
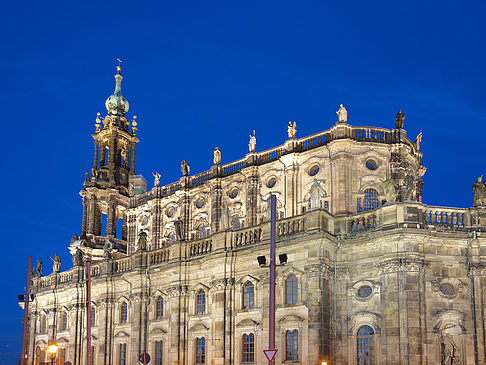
x,y
271,182
447,289
200,202
233,193
371,164
365,291
314,170
170,212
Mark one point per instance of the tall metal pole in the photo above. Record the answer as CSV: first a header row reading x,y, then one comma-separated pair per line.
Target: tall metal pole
x,y
23,355
88,311
273,226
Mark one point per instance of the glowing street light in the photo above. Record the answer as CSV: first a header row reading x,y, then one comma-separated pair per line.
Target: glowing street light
x,y
52,349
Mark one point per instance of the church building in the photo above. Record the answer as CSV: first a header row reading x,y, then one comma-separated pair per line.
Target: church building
x,y
371,274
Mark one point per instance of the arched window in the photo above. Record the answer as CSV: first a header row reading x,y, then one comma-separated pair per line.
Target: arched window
x,y
200,350
159,352
201,302
248,295
365,345
201,232
63,322
124,313
159,311
235,223
43,324
248,347
370,201
291,289
93,316
292,345
123,354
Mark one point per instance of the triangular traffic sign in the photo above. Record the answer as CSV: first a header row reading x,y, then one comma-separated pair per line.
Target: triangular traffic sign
x,y
270,355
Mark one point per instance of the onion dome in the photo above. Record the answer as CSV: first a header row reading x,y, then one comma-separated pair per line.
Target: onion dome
x,y
116,104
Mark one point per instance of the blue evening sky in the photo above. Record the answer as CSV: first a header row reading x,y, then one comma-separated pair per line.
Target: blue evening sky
x,y
201,74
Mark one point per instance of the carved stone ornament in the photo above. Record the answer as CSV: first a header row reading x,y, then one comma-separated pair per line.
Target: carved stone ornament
x,y
479,188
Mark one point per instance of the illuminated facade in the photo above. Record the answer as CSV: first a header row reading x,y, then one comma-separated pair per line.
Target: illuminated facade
x,y
374,276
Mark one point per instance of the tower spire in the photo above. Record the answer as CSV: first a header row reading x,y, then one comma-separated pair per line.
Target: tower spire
x,y
116,104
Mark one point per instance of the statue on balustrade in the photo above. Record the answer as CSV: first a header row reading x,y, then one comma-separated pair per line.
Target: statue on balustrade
x,y
292,130
400,117
56,263
217,156
131,190
418,140
156,179
479,188
86,176
390,190
78,258
409,188
107,249
252,143
342,114
185,168
38,268
178,225
142,241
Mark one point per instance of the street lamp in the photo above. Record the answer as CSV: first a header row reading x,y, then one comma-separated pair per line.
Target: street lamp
x,y
52,349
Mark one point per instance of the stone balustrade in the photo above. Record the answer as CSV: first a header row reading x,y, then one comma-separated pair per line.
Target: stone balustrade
x,y
409,215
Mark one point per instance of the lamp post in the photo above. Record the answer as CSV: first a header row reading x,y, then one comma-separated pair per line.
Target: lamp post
x,y
52,349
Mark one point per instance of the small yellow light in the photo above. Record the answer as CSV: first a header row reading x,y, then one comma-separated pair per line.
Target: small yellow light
x,y
324,363
52,348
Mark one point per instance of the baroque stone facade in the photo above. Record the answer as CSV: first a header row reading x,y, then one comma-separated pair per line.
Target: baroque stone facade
x,y
374,276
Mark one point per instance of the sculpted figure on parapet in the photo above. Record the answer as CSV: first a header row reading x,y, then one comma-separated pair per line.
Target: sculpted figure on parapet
x,y
178,229
38,268
56,263
185,169
292,130
156,178
342,114
107,250
390,190
217,156
400,117
252,143
142,241
479,188
78,258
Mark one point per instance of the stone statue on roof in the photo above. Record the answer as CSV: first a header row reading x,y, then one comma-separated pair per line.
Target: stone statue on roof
x,y
107,249
342,114
479,188
142,241
252,143
185,168
56,263
400,117
78,258
217,156
156,179
292,129
38,268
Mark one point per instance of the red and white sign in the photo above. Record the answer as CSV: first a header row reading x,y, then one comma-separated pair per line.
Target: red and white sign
x,y
270,355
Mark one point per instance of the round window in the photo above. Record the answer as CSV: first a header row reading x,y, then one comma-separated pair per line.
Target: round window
x,y
447,289
365,291
233,193
170,212
314,170
200,202
271,182
371,164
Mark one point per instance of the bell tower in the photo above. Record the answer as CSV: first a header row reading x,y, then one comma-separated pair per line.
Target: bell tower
x,y
106,194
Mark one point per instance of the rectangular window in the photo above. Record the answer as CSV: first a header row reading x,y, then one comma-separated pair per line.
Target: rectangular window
x,y
160,308
93,317
291,289
200,350
123,354
124,313
159,352
201,302
248,296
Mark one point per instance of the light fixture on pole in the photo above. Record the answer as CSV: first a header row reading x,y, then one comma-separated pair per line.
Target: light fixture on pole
x,y
52,349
